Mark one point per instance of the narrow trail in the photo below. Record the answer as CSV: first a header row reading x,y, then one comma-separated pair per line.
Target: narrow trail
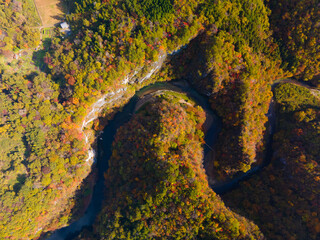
x,y
313,90
35,5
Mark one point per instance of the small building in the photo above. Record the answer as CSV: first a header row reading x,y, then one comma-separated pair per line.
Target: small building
x,y
65,28
64,25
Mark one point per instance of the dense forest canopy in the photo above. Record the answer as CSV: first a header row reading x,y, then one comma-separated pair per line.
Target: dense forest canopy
x,y
288,190
230,50
175,202
296,26
40,154
18,27
235,67
113,39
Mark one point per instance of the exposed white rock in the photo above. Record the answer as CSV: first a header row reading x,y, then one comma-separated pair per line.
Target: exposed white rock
x,y
155,67
111,97
126,80
96,108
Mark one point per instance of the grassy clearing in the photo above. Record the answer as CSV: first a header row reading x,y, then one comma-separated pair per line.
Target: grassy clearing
x,y
47,33
51,11
30,13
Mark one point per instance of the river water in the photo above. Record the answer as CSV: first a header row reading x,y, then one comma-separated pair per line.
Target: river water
x,y
104,149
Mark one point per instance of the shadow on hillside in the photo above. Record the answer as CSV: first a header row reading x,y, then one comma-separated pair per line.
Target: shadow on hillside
x,y
21,178
60,18
38,56
82,199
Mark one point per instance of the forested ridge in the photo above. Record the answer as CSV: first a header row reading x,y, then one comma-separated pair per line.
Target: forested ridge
x,y
235,68
284,199
231,50
175,202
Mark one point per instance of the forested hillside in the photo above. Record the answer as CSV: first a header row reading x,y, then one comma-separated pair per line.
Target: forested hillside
x,y
57,95
240,58
157,186
41,156
296,26
235,65
18,27
241,61
43,146
284,199
114,40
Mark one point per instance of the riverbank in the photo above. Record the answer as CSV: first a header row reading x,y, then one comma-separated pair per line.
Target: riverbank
x,y
283,199
104,152
156,178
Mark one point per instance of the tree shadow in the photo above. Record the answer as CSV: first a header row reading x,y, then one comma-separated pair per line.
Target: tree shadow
x,y
63,6
60,17
189,63
39,55
21,178
315,81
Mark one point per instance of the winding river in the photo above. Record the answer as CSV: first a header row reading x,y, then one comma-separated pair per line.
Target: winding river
x,y
268,154
104,144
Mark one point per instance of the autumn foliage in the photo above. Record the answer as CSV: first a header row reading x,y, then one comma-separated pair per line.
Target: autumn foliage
x,y
284,198
157,187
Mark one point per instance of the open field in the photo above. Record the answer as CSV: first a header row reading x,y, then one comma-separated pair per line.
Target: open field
x,y
31,14
51,11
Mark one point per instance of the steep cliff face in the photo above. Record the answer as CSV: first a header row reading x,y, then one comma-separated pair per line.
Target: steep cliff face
x,y
156,185
115,99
